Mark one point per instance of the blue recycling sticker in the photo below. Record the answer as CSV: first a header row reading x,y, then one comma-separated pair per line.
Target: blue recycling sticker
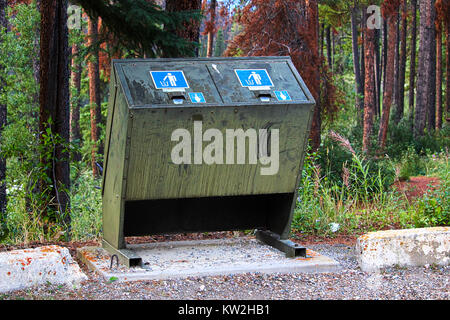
x,y
197,97
254,77
282,96
173,79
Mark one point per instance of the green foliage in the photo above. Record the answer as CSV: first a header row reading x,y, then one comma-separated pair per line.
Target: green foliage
x,y
359,202
220,44
334,157
433,209
411,164
86,206
31,213
400,139
143,27
356,201
19,143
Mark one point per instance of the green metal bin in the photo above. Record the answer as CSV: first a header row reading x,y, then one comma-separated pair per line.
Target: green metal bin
x,y
146,192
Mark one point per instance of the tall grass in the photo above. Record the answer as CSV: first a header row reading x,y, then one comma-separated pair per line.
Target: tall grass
x,y
360,201
86,211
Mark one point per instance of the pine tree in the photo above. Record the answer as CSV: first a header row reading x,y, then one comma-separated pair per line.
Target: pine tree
x,y
390,11
210,28
220,44
369,88
412,73
54,107
142,26
94,92
75,133
426,70
402,66
189,30
356,65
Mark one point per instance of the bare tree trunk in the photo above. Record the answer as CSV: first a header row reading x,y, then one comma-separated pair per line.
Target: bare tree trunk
x,y
447,91
412,73
322,38
333,46
402,66
54,103
397,62
356,67
439,76
390,80
3,113
385,50
369,88
312,9
212,10
426,77
377,73
94,93
363,51
329,54
75,134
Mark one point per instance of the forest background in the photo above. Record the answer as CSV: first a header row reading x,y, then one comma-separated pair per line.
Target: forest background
x,y
379,71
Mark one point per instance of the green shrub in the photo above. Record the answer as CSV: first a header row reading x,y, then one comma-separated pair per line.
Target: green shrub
x,y
433,209
411,164
86,211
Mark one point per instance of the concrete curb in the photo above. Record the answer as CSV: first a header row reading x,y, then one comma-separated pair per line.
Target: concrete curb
x,y
404,248
20,269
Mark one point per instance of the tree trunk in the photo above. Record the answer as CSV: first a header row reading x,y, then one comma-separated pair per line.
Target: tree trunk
x,y
363,41
396,62
75,134
439,76
385,46
94,94
54,105
390,80
329,54
356,66
402,66
412,73
369,88
212,11
312,21
426,77
377,73
447,91
3,199
322,38
333,45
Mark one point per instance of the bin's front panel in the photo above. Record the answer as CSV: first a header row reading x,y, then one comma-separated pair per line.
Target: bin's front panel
x,y
241,81
153,175
144,89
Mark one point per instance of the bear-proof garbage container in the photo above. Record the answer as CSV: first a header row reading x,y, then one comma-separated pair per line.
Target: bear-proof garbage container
x,y
199,145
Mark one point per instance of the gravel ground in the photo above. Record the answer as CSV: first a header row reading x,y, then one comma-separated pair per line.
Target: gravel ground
x,y
350,283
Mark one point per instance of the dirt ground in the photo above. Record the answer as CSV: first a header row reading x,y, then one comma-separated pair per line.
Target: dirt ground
x,y
417,186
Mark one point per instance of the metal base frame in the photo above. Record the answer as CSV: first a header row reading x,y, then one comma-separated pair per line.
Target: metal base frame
x,y
290,248
125,256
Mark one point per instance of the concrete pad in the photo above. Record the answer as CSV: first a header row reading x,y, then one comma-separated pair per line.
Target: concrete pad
x,y
20,269
181,259
404,248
